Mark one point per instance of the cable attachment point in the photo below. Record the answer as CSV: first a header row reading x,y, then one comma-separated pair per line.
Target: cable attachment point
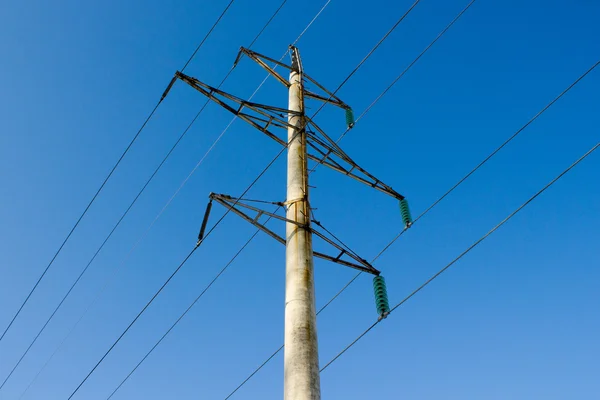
x,y
204,222
381,299
405,212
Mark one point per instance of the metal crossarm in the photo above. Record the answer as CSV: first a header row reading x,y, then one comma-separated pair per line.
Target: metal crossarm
x,y
263,117
260,60
238,206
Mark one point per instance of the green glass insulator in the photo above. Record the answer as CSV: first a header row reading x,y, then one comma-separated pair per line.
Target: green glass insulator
x,y
405,212
349,117
381,299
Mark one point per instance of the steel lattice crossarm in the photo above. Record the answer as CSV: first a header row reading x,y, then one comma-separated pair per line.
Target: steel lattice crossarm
x,y
264,117
253,215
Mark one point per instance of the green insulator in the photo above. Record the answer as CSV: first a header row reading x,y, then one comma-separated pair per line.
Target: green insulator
x,y
349,117
405,212
381,300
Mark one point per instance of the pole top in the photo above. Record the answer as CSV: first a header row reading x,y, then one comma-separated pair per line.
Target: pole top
x,y
296,62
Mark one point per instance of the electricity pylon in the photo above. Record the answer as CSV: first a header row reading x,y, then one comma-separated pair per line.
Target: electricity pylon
x,y
301,359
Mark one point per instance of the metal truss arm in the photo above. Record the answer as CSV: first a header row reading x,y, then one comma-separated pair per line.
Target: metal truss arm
x,y
263,117
237,205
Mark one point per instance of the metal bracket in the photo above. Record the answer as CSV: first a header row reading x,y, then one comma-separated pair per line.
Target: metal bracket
x,y
237,206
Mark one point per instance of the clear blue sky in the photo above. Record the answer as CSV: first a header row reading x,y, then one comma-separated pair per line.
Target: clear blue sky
x,y
517,318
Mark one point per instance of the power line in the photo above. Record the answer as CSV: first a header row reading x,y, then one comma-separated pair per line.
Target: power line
x,y
485,160
174,273
189,307
441,271
472,171
79,219
207,35
254,372
451,190
311,22
401,75
387,89
140,192
369,54
104,183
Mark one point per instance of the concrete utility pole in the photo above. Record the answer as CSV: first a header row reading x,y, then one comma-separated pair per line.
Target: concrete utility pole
x,y
301,355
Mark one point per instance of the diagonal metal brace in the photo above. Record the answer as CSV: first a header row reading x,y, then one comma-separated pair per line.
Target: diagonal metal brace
x,y
263,118
236,206
327,148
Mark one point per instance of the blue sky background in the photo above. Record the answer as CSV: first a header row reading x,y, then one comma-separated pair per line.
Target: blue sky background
x,y
517,318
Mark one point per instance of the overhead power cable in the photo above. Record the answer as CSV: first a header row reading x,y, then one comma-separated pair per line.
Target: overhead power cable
x,y
369,54
461,255
78,221
189,308
317,15
493,153
105,181
485,160
134,201
401,75
174,273
207,35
